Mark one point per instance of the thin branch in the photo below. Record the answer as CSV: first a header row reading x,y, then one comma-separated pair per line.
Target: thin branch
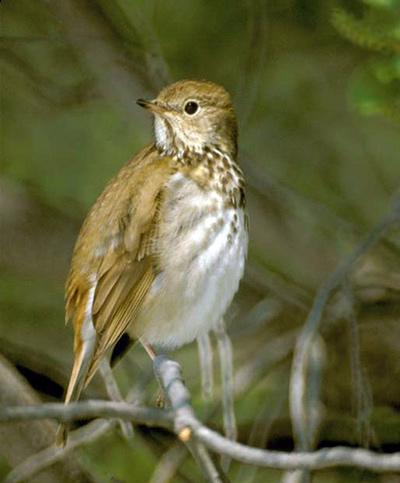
x,y
270,354
168,373
86,435
115,395
51,455
206,365
203,459
182,420
298,381
21,440
260,430
88,410
314,408
362,397
324,458
169,464
226,361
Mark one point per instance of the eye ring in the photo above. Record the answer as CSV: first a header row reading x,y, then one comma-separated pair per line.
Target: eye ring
x,y
191,107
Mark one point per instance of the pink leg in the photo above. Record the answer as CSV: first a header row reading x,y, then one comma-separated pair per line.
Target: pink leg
x,y
148,349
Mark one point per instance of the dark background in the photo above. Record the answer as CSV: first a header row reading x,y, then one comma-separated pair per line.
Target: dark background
x,y
317,96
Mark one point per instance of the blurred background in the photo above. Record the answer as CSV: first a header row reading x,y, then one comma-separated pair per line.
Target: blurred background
x,y
316,85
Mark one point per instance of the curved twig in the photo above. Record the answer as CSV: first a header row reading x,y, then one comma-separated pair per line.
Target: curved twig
x,y
300,364
182,420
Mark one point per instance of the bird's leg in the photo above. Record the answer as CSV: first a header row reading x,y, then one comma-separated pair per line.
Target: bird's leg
x,y
148,349
153,355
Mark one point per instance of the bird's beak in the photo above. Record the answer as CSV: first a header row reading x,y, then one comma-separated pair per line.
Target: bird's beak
x,y
152,106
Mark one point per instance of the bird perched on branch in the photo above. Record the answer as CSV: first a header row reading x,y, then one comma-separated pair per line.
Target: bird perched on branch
x,y
161,253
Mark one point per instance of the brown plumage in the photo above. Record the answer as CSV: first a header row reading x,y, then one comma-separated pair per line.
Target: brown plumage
x,y
165,223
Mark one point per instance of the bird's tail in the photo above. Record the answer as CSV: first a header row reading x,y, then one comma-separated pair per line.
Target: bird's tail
x,y
85,344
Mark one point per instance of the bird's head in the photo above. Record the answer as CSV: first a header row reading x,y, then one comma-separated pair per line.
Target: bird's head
x,y
193,116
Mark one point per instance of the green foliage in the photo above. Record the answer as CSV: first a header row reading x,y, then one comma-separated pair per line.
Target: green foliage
x,y
375,87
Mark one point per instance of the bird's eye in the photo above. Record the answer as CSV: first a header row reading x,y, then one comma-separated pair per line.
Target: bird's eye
x,y
191,108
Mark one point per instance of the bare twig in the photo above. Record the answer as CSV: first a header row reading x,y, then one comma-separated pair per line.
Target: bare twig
x,y
169,464
19,441
206,365
361,396
259,433
271,353
168,373
115,395
51,455
183,421
226,360
203,459
314,407
298,382
77,438
88,410
324,458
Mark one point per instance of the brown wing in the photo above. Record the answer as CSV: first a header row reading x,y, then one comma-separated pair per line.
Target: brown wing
x,y
118,253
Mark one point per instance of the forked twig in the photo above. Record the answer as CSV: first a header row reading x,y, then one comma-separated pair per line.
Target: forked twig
x,y
182,420
301,357
168,373
77,438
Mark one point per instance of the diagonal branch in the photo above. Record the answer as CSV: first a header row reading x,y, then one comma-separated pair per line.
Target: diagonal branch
x,y
168,373
77,438
301,357
114,394
182,420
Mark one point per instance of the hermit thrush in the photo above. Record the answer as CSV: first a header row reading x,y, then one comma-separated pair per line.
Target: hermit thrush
x,y
161,253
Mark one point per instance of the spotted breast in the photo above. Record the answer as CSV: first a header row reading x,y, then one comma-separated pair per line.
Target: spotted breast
x,y
201,252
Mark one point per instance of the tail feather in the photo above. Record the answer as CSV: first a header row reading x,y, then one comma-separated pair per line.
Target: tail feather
x,y
83,359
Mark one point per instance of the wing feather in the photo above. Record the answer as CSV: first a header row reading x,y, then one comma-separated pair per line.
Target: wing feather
x,y
120,256
121,310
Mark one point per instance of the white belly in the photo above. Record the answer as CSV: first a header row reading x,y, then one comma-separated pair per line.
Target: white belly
x,y
204,250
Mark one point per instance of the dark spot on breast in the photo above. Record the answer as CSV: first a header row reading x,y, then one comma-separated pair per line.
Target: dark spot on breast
x,y
237,170
242,198
226,163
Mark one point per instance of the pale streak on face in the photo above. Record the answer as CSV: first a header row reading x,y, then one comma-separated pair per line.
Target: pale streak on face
x,y
161,133
184,135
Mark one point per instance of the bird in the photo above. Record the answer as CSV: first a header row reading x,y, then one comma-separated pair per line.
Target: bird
x,y
161,253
